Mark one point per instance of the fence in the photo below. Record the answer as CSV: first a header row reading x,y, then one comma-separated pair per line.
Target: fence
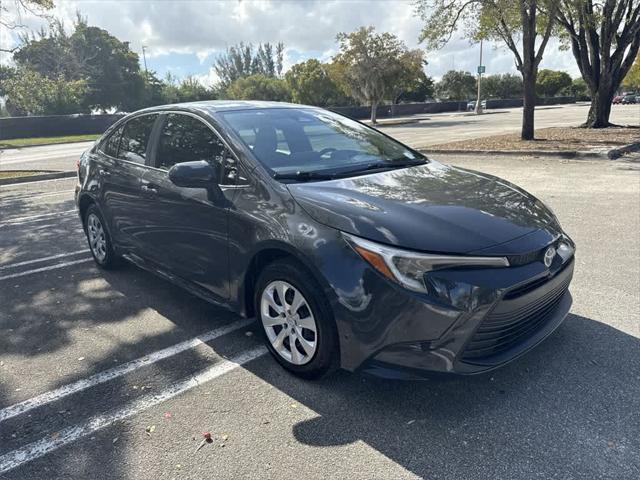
x,y
55,125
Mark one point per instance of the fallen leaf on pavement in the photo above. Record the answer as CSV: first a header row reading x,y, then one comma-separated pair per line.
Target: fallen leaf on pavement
x,y
150,429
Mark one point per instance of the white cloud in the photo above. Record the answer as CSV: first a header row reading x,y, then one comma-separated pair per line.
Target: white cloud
x,y
307,28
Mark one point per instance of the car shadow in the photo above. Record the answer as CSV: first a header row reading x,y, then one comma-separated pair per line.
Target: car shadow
x,y
567,409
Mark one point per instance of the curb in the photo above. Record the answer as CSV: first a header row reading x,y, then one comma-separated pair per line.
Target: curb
x,y
16,147
549,153
35,178
618,152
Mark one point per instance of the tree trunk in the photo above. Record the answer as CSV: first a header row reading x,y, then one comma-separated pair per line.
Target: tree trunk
x,y
374,112
600,108
529,106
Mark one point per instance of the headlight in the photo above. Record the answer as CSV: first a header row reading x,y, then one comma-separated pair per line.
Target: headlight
x,y
408,268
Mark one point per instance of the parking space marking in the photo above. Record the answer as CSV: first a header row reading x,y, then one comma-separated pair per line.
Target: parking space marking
x,y
45,269
42,259
42,447
35,218
107,375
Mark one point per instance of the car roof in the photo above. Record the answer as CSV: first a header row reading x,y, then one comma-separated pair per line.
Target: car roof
x,y
214,106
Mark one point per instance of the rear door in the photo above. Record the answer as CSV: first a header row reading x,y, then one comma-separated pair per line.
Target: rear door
x,y
122,181
187,228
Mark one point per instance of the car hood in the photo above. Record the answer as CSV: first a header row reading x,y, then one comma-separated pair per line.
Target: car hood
x,y
431,208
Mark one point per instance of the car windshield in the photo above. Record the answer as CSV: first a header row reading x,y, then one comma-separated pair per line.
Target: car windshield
x,y
305,144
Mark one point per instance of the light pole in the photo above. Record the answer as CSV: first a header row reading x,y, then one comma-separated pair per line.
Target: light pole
x,y
480,72
144,57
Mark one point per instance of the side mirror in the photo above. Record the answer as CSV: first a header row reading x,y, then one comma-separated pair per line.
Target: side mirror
x,y
199,174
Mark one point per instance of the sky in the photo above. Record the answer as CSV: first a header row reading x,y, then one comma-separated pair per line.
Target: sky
x,y
185,36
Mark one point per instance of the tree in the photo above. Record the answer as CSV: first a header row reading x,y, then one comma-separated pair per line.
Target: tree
x,y
30,93
410,76
524,26
605,39
504,85
456,85
311,84
242,60
552,82
579,89
110,68
632,79
11,12
373,65
259,87
420,90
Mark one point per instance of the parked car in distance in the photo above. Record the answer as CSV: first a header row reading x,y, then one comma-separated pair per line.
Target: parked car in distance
x,y
471,105
617,99
351,249
628,99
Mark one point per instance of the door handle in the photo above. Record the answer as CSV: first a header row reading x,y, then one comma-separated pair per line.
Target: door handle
x,y
148,189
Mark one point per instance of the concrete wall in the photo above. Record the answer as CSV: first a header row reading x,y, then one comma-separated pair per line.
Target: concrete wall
x,y
55,125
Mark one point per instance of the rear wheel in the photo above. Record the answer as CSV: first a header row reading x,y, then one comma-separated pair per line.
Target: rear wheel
x,y
99,239
296,320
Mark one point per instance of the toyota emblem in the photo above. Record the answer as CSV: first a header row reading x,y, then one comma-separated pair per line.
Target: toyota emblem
x,y
548,256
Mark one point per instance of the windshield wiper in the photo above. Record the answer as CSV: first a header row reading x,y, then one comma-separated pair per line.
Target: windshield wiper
x,y
303,176
392,165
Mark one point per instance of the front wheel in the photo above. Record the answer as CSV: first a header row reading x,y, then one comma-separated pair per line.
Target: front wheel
x,y
296,320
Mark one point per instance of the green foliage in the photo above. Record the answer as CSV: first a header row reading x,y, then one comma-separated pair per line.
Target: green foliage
x,y
456,85
30,93
376,66
504,85
310,83
579,89
419,90
632,79
243,60
110,69
551,83
259,87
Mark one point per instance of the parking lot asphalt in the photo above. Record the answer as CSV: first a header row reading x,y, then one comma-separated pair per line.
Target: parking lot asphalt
x,y
118,374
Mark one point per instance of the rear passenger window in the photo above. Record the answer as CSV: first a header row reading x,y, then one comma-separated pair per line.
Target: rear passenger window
x,y
186,139
110,145
135,137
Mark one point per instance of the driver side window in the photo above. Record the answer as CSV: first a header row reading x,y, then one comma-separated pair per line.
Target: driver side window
x,y
186,139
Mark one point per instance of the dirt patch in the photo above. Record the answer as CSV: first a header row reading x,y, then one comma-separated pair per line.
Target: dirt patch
x,y
551,139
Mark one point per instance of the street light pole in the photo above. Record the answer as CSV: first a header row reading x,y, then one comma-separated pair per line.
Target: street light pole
x,y
144,57
478,100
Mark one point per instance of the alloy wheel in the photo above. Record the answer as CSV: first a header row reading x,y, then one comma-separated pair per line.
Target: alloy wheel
x,y
288,322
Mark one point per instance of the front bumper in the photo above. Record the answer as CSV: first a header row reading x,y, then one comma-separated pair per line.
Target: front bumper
x,y
485,319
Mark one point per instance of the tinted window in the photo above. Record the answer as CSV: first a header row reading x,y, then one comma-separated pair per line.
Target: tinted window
x,y
135,137
110,145
187,139
289,140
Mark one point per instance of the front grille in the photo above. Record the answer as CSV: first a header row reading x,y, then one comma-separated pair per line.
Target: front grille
x,y
505,328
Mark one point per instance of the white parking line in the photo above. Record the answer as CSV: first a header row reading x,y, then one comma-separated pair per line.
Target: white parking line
x,y
107,375
37,449
45,269
35,218
42,259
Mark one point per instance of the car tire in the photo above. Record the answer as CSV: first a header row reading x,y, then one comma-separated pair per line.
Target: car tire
x,y
99,240
315,353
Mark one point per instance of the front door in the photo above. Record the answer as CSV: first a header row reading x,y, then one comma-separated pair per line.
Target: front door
x,y
186,229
